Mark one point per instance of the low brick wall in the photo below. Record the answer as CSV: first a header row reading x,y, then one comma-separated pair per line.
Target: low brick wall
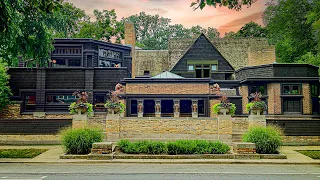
x,y
29,139
169,129
301,140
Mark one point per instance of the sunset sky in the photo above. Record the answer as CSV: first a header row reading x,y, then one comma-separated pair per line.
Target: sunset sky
x,y
180,12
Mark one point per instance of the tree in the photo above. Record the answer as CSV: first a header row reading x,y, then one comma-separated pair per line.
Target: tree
x,y
231,4
230,34
104,28
252,29
23,30
288,28
5,91
154,32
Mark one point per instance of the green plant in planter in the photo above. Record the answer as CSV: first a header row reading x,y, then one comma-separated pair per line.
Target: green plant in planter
x,y
81,105
256,103
224,103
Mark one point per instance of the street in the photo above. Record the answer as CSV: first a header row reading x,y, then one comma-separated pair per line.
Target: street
x,y
12,171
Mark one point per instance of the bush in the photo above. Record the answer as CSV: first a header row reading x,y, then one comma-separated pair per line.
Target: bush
x,y
174,147
79,141
197,147
73,108
267,139
146,147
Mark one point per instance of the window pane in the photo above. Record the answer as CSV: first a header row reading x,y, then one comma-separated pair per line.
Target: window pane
x,y
295,90
30,102
261,89
134,107
63,99
286,90
206,66
198,66
104,64
213,67
253,89
59,63
201,106
74,63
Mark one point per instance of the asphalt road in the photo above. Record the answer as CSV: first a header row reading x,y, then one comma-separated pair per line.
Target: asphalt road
x,y
156,171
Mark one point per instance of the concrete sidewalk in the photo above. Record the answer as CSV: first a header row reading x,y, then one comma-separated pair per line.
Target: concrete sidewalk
x,y
52,156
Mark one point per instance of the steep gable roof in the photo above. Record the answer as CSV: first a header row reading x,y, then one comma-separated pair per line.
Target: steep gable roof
x,y
202,49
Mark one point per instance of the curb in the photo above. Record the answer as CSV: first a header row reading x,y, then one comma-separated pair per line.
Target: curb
x,y
161,162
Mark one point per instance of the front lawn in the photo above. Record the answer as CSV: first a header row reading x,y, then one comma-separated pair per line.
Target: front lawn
x,y
314,154
21,153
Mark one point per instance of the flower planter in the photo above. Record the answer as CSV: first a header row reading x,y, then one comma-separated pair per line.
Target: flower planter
x,y
223,110
114,110
256,111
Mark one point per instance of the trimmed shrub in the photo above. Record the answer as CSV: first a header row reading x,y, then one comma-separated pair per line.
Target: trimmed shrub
x,y
145,147
197,147
79,141
174,147
267,139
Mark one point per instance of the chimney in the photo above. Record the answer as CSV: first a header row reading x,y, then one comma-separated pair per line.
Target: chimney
x,y
130,38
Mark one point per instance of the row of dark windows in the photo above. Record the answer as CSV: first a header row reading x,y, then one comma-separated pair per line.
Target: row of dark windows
x,y
286,89
67,51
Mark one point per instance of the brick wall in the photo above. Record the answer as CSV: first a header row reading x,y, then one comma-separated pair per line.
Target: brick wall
x,y
306,101
244,93
167,129
178,88
274,99
258,55
130,38
13,112
301,140
154,61
212,102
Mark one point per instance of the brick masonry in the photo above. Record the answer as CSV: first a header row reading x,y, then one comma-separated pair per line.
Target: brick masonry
x,y
30,139
274,99
244,93
258,55
167,129
12,111
178,88
306,101
130,38
301,140
212,102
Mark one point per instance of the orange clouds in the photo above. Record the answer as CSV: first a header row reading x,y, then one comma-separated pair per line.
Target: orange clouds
x,y
180,12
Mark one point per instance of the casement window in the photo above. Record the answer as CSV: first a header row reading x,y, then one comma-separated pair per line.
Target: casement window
x,y
202,68
291,89
258,88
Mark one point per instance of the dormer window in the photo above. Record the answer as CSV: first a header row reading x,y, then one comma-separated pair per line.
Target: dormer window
x,y
190,67
213,67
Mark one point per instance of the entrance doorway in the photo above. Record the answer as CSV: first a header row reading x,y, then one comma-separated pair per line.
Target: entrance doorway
x,y
167,108
148,108
185,108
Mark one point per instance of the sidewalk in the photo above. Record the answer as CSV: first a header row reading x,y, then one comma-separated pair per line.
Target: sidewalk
x,y
52,156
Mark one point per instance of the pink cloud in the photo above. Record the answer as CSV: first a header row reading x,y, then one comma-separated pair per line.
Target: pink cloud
x,y
180,12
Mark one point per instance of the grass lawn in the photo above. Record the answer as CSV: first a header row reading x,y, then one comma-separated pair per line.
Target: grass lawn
x,y
20,153
314,154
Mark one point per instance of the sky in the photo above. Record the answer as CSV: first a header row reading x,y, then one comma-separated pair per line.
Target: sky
x,y
180,12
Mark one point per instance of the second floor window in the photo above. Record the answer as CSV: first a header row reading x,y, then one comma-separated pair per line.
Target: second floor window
x,y
294,89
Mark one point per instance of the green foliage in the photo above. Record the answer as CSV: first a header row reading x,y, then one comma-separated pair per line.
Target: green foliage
x,y
79,141
21,153
250,29
256,104
112,105
154,32
145,147
174,147
5,91
83,107
267,139
292,28
314,154
231,106
231,4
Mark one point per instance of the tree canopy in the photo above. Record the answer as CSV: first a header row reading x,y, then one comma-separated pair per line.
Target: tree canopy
x,y
250,29
231,4
292,27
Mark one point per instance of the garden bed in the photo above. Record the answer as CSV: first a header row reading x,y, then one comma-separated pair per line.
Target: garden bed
x,y
314,154
21,153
